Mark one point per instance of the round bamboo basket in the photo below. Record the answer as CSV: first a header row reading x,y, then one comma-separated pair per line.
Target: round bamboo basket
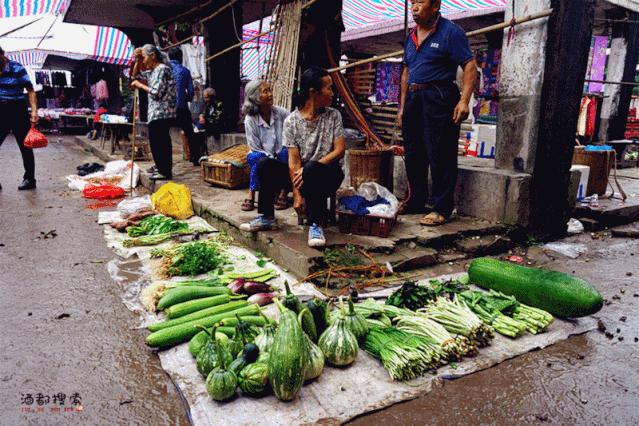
x,y
371,165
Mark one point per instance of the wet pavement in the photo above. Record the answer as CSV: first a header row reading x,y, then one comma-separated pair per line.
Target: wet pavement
x,y
587,379
67,331
65,328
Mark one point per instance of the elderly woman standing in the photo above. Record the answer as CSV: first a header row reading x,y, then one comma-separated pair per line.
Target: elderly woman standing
x,y
161,115
268,157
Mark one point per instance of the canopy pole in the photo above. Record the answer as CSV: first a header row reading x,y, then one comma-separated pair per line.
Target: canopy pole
x,y
517,21
235,46
405,19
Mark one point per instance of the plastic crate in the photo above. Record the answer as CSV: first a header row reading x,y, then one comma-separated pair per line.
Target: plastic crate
x,y
377,226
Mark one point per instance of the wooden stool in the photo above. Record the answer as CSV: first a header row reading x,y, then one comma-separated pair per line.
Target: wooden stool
x,y
301,220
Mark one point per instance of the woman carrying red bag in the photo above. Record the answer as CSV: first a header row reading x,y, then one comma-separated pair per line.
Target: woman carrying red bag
x,y
14,113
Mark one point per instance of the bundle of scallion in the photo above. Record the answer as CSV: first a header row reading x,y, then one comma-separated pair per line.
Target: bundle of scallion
x,y
535,319
371,308
421,325
457,318
506,314
405,356
155,239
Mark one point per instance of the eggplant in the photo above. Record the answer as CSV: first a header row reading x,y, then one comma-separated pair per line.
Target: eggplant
x,y
236,285
252,287
261,299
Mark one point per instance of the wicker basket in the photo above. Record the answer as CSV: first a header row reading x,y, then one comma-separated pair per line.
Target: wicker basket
x,y
227,168
350,223
371,165
600,163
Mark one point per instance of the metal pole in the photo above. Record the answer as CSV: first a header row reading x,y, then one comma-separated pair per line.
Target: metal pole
x,y
405,19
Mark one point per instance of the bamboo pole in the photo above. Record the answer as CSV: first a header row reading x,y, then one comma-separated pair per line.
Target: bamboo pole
x,y
235,46
133,137
516,21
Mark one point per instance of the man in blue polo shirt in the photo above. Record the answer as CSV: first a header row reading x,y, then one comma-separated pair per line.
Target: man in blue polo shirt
x,y
14,114
431,108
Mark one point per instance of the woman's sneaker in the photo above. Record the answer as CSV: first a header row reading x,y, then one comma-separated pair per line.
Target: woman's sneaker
x,y
260,223
316,236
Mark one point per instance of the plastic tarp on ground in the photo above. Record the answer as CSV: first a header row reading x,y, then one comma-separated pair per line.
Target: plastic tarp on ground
x,y
363,387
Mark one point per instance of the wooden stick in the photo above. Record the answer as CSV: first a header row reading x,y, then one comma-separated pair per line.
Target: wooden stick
x,y
133,136
623,83
517,21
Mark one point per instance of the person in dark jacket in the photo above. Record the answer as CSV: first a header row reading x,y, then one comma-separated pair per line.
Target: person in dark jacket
x,y
14,113
184,95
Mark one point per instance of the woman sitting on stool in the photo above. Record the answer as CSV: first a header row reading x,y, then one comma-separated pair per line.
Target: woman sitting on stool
x,y
267,158
314,136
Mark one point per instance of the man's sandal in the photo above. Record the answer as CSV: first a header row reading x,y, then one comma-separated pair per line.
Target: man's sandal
x,y
433,219
248,205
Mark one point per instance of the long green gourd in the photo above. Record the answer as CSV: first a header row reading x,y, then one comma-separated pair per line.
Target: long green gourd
x,y
560,294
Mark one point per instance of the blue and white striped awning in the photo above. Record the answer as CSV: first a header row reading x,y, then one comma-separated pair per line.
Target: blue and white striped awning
x,y
36,26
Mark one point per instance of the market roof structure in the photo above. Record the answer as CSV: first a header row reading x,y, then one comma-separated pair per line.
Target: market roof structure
x,y
32,29
365,18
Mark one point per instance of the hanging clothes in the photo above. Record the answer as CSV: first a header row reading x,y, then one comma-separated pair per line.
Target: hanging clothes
x,y
587,117
387,82
194,58
101,90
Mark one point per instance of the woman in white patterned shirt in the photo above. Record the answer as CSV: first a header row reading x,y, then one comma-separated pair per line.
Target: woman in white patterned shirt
x,y
161,113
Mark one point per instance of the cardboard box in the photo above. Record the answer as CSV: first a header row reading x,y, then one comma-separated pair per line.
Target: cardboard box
x,y
486,140
583,181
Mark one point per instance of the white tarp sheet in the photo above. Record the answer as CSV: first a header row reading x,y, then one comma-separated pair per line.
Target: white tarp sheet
x,y
363,387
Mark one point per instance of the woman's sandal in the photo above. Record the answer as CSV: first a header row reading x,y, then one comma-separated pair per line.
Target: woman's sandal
x,y
281,203
248,205
433,219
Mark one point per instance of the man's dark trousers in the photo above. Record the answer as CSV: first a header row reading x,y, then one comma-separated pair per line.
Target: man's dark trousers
x,y
320,182
273,176
14,117
430,142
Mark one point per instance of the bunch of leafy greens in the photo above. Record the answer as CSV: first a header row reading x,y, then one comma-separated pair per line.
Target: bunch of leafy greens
x,y
192,258
346,256
155,225
412,296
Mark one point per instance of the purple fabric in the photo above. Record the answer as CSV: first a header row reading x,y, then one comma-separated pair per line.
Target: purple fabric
x,y
598,66
387,82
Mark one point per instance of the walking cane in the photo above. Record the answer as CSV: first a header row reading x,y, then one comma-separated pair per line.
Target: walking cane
x,y
134,136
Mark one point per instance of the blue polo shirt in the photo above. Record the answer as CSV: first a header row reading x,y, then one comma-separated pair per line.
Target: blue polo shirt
x,y
13,80
439,55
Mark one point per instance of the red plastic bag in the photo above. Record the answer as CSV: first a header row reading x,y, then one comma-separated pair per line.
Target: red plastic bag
x,y
35,139
101,192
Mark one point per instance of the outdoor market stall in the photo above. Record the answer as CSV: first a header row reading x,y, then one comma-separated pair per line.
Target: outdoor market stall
x,y
415,312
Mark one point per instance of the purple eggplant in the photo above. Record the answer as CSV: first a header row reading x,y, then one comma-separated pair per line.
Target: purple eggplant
x,y
236,285
251,287
261,299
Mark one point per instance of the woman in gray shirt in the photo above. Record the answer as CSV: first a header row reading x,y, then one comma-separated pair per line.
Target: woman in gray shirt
x,y
314,136
268,158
